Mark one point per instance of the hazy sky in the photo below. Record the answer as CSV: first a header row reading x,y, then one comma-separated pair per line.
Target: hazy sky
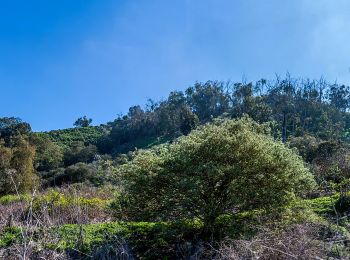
x,y
61,59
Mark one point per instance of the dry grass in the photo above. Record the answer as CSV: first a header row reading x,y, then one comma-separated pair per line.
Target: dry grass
x,y
36,213
34,253
295,242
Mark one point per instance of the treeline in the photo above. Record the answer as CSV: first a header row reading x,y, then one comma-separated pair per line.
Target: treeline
x,y
311,115
294,107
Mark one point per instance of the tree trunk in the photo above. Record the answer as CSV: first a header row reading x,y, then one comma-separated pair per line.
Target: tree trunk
x,y
284,128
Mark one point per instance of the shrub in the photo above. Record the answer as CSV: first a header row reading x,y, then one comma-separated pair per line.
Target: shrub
x,y
69,208
8,199
229,166
143,239
9,235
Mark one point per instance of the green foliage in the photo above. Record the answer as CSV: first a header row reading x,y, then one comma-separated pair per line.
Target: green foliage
x,y
86,135
323,205
142,143
90,174
11,126
230,176
202,175
49,156
22,161
5,166
141,198
146,240
78,152
54,200
342,205
8,199
296,107
83,122
17,173
332,166
165,120
339,96
242,225
208,100
9,236
98,173
307,146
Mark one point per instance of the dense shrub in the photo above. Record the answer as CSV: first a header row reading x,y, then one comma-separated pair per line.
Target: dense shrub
x,y
65,137
78,152
79,172
9,235
143,240
228,166
48,156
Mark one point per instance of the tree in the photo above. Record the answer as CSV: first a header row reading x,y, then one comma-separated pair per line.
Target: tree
x,y
16,167
307,146
189,120
246,102
23,161
76,173
83,122
208,100
12,126
78,152
339,96
5,168
49,156
175,116
282,99
224,167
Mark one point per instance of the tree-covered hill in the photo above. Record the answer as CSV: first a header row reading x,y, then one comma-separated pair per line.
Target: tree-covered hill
x,y
65,137
294,107
221,170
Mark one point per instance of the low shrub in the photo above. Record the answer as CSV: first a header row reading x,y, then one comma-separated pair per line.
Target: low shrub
x,y
323,205
8,199
9,236
62,208
142,239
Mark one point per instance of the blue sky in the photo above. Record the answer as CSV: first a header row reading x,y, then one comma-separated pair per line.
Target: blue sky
x,y
62,59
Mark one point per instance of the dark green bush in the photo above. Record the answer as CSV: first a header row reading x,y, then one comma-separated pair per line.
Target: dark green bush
x,y
9,236
342,204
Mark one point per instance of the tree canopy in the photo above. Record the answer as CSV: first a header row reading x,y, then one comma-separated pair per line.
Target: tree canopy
x,y
83,122
227,166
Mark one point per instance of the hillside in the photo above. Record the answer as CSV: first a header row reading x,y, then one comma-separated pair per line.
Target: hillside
x,y
221,170
65,137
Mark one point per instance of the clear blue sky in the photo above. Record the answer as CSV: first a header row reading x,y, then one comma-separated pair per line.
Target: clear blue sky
x,y
61,59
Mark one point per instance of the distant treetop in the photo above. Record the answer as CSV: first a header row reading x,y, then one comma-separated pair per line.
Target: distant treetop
x,y
83,122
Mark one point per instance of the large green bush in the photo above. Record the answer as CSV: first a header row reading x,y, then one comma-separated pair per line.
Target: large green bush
x,y
229,166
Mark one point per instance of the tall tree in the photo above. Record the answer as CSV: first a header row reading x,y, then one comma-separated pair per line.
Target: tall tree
x,y
208,100
12,126
16,167
83,122
339,96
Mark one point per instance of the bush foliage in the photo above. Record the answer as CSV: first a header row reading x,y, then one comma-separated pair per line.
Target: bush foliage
x,y
229,166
